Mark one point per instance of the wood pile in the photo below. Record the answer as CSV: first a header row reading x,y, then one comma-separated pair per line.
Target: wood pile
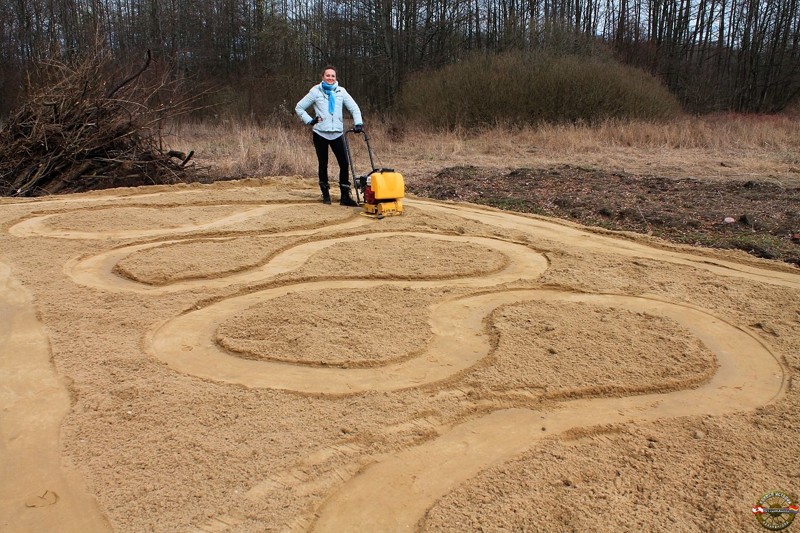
x,y
78,131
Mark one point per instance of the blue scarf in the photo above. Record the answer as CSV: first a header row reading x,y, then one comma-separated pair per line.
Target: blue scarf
x,y
328,89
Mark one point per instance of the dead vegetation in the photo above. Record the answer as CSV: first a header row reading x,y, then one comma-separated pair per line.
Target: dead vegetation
x,y
88,126
758,217
720,147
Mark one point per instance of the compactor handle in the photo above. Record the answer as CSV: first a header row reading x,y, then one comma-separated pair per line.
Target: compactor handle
x,y
358,186
369,148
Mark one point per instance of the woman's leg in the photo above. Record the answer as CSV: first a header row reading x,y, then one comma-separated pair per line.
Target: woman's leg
x,y
321,147
340,151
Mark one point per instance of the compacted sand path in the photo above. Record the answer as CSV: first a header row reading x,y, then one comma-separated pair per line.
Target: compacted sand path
x,y
394,494
391,490
38,492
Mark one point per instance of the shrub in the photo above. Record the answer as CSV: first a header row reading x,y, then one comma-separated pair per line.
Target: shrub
x,y
518,88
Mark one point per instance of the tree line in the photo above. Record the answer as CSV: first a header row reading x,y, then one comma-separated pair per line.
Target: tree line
x,y
732,55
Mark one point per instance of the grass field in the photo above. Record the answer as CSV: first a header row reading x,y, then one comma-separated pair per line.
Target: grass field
x,y
713,147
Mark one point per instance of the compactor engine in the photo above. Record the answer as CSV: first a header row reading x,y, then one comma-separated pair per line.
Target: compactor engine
x,y
383,193
380,193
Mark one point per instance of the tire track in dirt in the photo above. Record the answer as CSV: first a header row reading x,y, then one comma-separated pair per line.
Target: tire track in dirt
x,y
394,493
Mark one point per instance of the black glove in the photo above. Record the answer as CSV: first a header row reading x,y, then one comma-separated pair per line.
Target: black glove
x,y
314,121
358,128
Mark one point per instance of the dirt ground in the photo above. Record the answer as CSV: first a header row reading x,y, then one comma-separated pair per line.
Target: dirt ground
x,y
239,357
760,217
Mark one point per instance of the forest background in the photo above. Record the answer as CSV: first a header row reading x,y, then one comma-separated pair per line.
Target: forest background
x,y
256,58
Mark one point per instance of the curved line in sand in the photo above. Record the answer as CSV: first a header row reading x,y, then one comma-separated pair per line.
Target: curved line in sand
x,y
37,226
186,343
97,271
574,236
563,232
38,492
395,493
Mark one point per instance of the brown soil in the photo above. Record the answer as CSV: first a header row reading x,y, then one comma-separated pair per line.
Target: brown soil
x,y
239,357
764,217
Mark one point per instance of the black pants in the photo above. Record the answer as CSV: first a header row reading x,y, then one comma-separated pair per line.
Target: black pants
x,y
337,145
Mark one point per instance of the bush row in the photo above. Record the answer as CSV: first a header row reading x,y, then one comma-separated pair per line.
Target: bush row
x,y
522,88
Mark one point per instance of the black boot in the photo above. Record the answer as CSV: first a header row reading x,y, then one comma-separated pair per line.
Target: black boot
x,y
326,195
346,199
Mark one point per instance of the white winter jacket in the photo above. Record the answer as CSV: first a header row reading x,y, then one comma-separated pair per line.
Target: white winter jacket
x,y
331,123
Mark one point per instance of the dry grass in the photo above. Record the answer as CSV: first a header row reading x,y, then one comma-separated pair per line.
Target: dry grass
x,y
238,149
715,147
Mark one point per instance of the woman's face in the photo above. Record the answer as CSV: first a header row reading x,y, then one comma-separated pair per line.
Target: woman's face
x,y
329,76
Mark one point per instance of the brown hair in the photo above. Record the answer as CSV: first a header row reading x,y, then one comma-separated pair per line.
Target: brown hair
x,y
328,67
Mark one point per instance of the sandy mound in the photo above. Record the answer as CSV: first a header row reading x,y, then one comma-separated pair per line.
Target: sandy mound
x,y
172,262
418,257
572,350
333,327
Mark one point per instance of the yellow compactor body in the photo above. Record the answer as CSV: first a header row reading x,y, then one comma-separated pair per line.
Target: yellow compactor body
x,y
383,194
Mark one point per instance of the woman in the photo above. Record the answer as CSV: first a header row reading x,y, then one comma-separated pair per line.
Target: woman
x,y
328,100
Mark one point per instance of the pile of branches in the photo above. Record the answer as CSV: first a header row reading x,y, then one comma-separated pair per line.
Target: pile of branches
x,y
80,130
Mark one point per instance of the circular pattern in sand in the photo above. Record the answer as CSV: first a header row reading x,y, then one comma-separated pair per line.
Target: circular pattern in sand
x,y
333,327
177,261
570,349
376,460
405,257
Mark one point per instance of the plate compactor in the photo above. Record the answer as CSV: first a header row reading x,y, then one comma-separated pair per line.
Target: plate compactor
x,y
380,192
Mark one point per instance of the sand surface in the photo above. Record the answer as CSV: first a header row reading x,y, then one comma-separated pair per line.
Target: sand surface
x,y
239,357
